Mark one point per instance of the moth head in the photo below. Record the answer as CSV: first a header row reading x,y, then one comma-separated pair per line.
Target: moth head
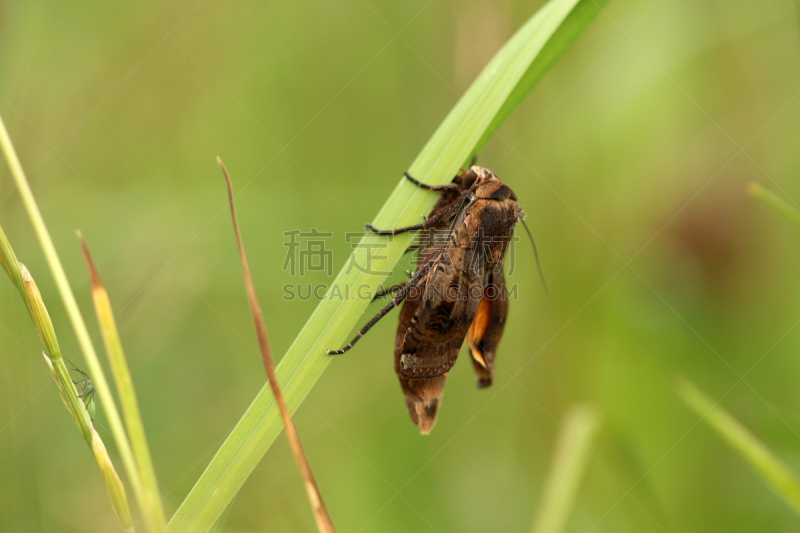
x,y
481,174
487,186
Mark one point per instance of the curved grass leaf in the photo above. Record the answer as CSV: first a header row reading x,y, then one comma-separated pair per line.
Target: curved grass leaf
x,y
580,17
782,479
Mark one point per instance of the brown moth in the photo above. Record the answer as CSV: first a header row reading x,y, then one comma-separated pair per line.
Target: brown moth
x,y
457,290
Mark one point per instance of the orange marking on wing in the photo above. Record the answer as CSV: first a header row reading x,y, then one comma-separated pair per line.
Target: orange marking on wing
x,y
478,328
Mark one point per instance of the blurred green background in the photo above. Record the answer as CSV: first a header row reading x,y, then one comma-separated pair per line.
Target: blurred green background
x,y
630,159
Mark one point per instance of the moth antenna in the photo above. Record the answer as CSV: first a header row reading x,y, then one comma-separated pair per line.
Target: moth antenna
x,y
538,265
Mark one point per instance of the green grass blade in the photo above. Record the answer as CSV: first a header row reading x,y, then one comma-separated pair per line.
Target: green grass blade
x,y
569,463
334,318
772,200
580,17
220,523
773,470
66,387
74,313
152,511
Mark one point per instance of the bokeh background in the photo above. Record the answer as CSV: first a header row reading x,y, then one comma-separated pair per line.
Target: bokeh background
x,y
630,158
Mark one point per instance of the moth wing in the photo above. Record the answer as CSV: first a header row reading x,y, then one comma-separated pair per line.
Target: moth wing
x,y
423,396
447,304
487,327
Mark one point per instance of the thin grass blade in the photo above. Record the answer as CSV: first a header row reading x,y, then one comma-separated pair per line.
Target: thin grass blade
x,y
74,313
323,519
772,200
569,463
776,473
333,319
153,511
30,294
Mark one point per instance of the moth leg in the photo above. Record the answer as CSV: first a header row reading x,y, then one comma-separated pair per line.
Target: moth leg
x,y
373,229
428,221
447,187
389,290
382,313
398,299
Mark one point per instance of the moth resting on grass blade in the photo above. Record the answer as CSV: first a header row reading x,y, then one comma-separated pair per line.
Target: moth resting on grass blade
x,y
457,291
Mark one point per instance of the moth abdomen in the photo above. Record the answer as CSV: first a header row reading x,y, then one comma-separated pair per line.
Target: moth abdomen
x,y
413,366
